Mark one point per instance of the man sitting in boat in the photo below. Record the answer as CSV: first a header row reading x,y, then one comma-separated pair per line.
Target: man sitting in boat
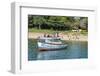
x,y
47,35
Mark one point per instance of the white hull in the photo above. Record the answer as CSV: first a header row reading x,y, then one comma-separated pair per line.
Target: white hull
x,y
47,46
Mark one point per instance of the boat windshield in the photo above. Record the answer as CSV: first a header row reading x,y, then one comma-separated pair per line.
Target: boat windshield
x,y
55,40
41,40
50,40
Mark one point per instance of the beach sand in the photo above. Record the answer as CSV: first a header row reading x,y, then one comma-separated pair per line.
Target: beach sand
x,y
70,36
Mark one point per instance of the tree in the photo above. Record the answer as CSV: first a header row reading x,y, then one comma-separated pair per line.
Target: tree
x,y
84,23
38,21
57,22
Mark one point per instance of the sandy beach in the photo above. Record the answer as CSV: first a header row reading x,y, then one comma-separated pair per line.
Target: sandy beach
x,y
70,36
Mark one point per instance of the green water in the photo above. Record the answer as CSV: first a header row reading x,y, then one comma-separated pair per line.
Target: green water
x,y
75,50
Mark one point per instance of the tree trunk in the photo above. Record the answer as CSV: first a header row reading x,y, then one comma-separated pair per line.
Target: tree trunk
x,y
39,26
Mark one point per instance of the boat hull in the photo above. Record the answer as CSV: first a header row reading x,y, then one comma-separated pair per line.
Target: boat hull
x,y
48,46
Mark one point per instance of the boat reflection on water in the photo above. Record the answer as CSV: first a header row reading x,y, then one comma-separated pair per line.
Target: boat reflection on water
x,y
50,43
54,54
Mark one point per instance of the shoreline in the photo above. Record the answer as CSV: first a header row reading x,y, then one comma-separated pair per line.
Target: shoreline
x,y
68,37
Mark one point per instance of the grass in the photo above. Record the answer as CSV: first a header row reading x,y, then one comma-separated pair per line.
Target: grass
x,y
83,32
42,31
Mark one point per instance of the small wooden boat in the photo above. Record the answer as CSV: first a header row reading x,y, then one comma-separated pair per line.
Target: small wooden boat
x,y
50,43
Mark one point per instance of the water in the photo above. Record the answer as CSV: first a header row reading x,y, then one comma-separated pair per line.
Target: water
x,y
75,50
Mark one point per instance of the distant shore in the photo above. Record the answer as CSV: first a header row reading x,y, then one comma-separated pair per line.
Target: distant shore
x,y
70,36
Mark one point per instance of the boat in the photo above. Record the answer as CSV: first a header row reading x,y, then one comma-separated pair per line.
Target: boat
x,y
50,43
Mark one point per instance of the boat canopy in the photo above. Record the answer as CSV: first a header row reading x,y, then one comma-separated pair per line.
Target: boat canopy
x,y
49,38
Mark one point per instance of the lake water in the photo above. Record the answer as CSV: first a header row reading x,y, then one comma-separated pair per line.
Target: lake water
x,y
75,50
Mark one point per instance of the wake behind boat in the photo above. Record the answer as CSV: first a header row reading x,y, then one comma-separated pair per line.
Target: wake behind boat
x,y
50,43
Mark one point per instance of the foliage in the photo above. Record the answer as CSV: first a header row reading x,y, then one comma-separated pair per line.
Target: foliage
x,y
57,23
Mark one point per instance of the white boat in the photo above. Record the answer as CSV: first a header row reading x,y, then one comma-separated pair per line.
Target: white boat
x,y
50,43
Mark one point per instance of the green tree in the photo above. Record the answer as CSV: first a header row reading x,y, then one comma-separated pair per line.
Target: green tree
x,y
57,22
84,23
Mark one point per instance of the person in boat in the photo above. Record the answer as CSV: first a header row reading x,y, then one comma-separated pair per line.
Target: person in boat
x,y
45,35
56,35
48,35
